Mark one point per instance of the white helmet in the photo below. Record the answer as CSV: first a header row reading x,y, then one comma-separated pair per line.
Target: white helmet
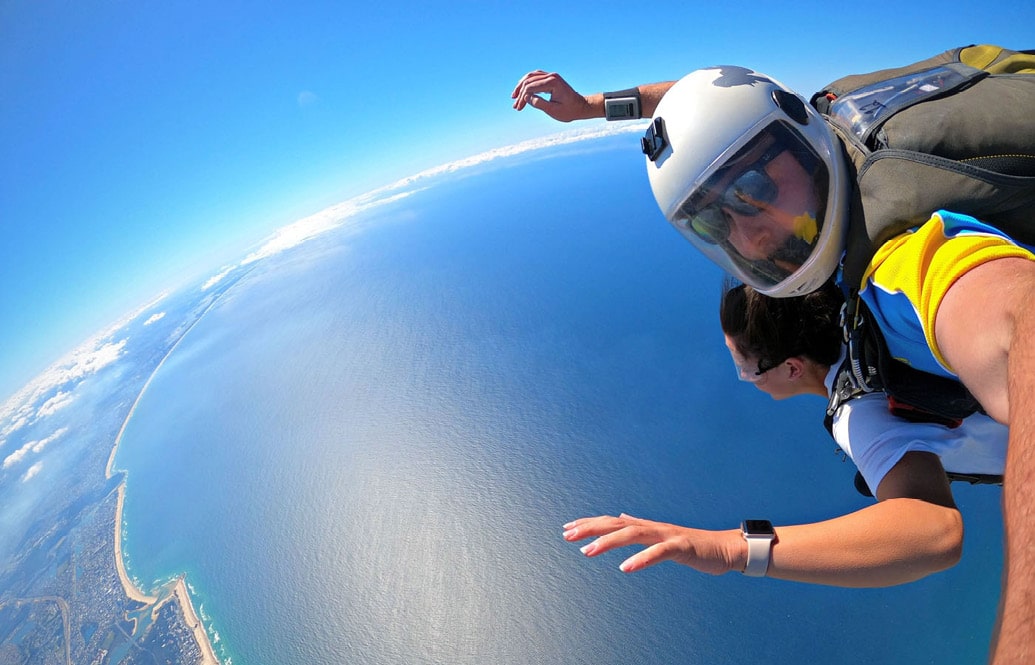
x,y
752,176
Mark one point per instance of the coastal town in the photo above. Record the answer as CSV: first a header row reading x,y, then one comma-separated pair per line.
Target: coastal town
x,y
65,595
66,599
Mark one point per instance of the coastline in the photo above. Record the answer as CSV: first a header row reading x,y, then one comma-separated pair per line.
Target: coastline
x,y
180,594
127,584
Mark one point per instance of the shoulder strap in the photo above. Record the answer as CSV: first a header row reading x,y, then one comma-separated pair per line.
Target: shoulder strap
x,y
868,367
973,478
913,394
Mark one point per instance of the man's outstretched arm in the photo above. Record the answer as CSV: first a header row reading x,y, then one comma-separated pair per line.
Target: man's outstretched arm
x,y
551,94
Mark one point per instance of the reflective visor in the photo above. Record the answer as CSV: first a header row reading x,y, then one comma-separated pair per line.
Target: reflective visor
x,y
759,213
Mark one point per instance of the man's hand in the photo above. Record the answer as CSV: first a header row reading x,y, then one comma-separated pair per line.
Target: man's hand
x,y
564,104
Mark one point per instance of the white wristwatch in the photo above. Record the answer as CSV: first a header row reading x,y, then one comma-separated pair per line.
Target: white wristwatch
x,y
759,535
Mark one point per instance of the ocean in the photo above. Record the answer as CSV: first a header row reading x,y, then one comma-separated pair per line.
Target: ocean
x,y
365,451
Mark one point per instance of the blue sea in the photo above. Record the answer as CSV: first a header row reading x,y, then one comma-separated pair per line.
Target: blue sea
x,y
365,451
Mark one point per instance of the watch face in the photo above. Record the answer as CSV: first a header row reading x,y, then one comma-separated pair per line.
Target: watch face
x,y
759,528
621,108
624,110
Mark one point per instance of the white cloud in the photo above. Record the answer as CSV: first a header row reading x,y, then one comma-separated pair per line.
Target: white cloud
x,y
19,418
18,455
55,404
307,98
124,321
154,318
33,470
217,278
42,443
307,228
564,138
31,447
88,358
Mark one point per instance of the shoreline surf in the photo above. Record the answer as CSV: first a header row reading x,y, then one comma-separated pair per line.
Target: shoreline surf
x,y
179,593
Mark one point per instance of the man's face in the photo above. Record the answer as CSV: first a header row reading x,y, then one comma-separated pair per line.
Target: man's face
x,y
762,209
778,224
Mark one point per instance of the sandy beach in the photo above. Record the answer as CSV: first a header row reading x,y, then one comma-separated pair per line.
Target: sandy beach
x,y
179,590
131,590
208,656
179,594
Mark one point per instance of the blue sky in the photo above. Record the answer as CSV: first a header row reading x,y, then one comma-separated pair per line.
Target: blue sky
x,y
145,142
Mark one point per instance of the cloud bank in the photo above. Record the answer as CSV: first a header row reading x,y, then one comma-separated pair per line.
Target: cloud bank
x,y
31,447
53,390
34,401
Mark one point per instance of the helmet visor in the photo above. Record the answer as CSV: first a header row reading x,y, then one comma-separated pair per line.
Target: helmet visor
x,y
759,210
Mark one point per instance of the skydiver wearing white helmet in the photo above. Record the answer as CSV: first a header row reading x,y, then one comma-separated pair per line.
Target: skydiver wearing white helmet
x,y
752,177
774,192
747,174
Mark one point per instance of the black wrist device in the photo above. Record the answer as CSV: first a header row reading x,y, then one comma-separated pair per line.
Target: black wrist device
x,y
622,105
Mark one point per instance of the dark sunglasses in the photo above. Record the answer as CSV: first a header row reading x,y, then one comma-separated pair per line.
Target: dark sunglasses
x,y
747,195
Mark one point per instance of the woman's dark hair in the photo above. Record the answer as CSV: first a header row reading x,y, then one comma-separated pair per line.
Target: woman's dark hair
x,y
775,329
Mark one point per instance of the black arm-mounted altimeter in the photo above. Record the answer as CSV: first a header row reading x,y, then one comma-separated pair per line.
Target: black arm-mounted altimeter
x,y
622,105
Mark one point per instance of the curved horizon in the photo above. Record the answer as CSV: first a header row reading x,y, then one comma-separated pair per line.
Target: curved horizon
x,y
283,238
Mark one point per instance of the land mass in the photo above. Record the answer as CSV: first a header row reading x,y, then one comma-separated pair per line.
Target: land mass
x,y
65,595
68,600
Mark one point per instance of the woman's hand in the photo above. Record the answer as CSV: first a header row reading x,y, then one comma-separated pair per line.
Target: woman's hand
x,y
713,552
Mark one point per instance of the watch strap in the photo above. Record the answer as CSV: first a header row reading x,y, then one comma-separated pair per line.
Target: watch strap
x,y
759,549
760,536
628,92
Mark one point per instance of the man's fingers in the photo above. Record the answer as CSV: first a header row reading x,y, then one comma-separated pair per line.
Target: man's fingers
x,y
521,82
530,85
535,84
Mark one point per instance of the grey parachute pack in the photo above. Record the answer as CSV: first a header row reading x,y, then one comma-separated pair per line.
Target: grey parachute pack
x,y
953,132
